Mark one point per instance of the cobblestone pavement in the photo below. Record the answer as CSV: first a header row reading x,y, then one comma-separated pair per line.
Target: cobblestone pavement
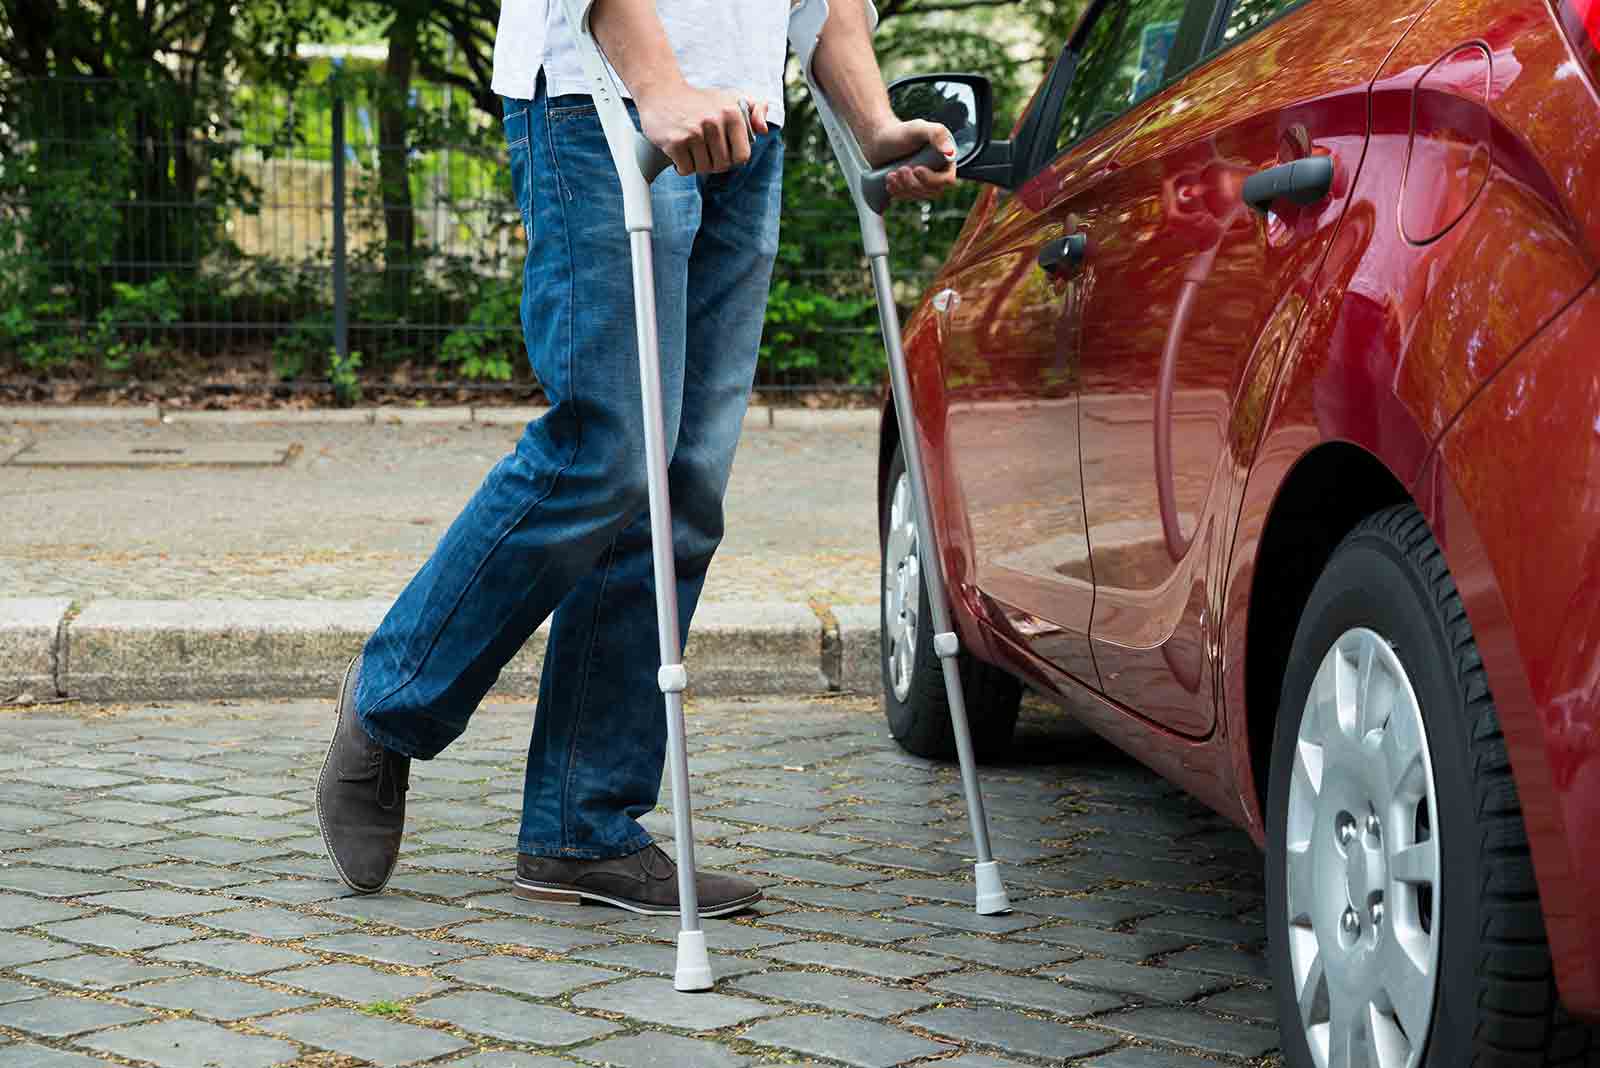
x,y
356,509
164,901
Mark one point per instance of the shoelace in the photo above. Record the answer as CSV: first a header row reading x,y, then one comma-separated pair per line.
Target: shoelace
x,y
393,774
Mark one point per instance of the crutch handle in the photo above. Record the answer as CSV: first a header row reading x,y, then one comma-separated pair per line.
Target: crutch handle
x,y
652,161
875,183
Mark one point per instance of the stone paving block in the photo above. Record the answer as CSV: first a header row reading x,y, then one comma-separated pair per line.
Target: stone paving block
x,y
214,998
652,1049
455,838
529,933
121,933
137,812
467,862
792,819
655,1001
23,818
979,1060
228,955
27,1055
164,904
1041,995
967,919
57,1016
509,1060
11,991
208,850
951,890
1215,960
403,950
1204,928
884,963
290,891
808,845
534,978
512,1020
18,911
272,923
300,867
807,870
435,884
1163,898
70,778
930,861
1083,910
28,647
249,828
1142,981
1250,1002
835,992
1093,940
191,876
383,1042
836,897
1012,1032
855,1042
721,934
996,953
250,806
659,959
352,982
25,949
96,972
162,793
397,910
1194,1030
1136,1057
545,911
89,858
859,928
193,1044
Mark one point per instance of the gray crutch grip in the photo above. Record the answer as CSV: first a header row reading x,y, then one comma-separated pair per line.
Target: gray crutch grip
x,y
652,161
875,183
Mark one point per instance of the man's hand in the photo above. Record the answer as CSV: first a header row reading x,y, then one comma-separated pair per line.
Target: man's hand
x,y
897,140
702,130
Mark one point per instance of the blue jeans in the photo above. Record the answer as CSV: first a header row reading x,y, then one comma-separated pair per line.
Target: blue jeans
x,y
561,524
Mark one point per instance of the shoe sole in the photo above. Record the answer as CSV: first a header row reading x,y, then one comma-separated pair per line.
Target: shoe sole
x,y
322,826
565,895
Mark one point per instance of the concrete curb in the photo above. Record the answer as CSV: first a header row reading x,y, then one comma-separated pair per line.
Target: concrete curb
x,y
127,650
758,416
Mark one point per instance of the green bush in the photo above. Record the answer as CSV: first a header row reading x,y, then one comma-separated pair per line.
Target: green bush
x,y
486,345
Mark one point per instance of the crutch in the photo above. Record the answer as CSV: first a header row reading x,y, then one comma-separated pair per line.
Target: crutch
x,y
638,163
871,196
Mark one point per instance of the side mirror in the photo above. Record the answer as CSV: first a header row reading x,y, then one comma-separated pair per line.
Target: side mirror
x,y
964,105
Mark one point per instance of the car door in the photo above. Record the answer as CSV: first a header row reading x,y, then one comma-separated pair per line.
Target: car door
x,y
1190,295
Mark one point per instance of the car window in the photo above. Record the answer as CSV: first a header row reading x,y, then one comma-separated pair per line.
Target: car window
x,y
1245,15
1122,60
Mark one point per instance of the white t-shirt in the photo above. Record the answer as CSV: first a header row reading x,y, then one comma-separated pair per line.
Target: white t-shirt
x,y
720,44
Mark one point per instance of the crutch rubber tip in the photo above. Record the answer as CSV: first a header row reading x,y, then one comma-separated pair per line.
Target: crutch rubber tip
x,y
694,966
992,897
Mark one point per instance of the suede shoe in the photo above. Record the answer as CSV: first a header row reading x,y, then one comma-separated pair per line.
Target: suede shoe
x,y
646,882
361,798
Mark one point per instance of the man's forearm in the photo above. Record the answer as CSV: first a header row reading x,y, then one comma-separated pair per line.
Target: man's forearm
x,y
848,70
635,43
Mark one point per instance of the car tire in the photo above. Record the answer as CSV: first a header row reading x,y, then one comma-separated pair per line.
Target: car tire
x,y
1384,620
915,702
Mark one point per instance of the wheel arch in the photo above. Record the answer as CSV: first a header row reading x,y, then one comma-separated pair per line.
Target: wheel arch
x,y
888,442
1330,490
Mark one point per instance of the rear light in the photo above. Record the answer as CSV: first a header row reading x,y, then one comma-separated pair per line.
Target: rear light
x,y
1580,19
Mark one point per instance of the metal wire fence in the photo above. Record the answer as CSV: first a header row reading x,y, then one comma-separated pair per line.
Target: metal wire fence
x,y
283,230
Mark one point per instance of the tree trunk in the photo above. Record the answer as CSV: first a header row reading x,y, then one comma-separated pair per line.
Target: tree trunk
x,y
399,221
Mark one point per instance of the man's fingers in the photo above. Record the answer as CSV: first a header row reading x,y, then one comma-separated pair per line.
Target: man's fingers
x,y
682,158
758,117
715,138
738,136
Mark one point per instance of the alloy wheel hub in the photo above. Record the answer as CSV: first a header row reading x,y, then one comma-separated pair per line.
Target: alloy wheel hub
x,y
1363,862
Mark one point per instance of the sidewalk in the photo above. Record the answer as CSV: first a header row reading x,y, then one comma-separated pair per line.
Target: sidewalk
x,y
259,576
164,901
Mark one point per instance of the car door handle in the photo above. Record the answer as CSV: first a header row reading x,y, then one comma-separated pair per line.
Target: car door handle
x,y
1304,181
1064,253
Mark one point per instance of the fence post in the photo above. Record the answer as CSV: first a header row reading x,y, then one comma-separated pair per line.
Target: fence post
x,y
341,308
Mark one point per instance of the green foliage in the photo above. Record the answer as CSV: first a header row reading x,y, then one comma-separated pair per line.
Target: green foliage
x,y
484,347
826,338
134,308
342,374
299,352
383,1008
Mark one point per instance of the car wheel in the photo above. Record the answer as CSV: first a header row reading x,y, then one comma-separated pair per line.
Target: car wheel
x,y
1403,916
913,681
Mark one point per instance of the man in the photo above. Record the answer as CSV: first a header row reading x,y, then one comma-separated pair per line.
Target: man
x,y
560,525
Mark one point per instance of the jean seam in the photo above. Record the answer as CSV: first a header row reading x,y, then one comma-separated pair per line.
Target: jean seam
x,y
583,695
634,843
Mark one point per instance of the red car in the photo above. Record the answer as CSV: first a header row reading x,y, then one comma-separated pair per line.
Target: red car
x,y
1261,404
